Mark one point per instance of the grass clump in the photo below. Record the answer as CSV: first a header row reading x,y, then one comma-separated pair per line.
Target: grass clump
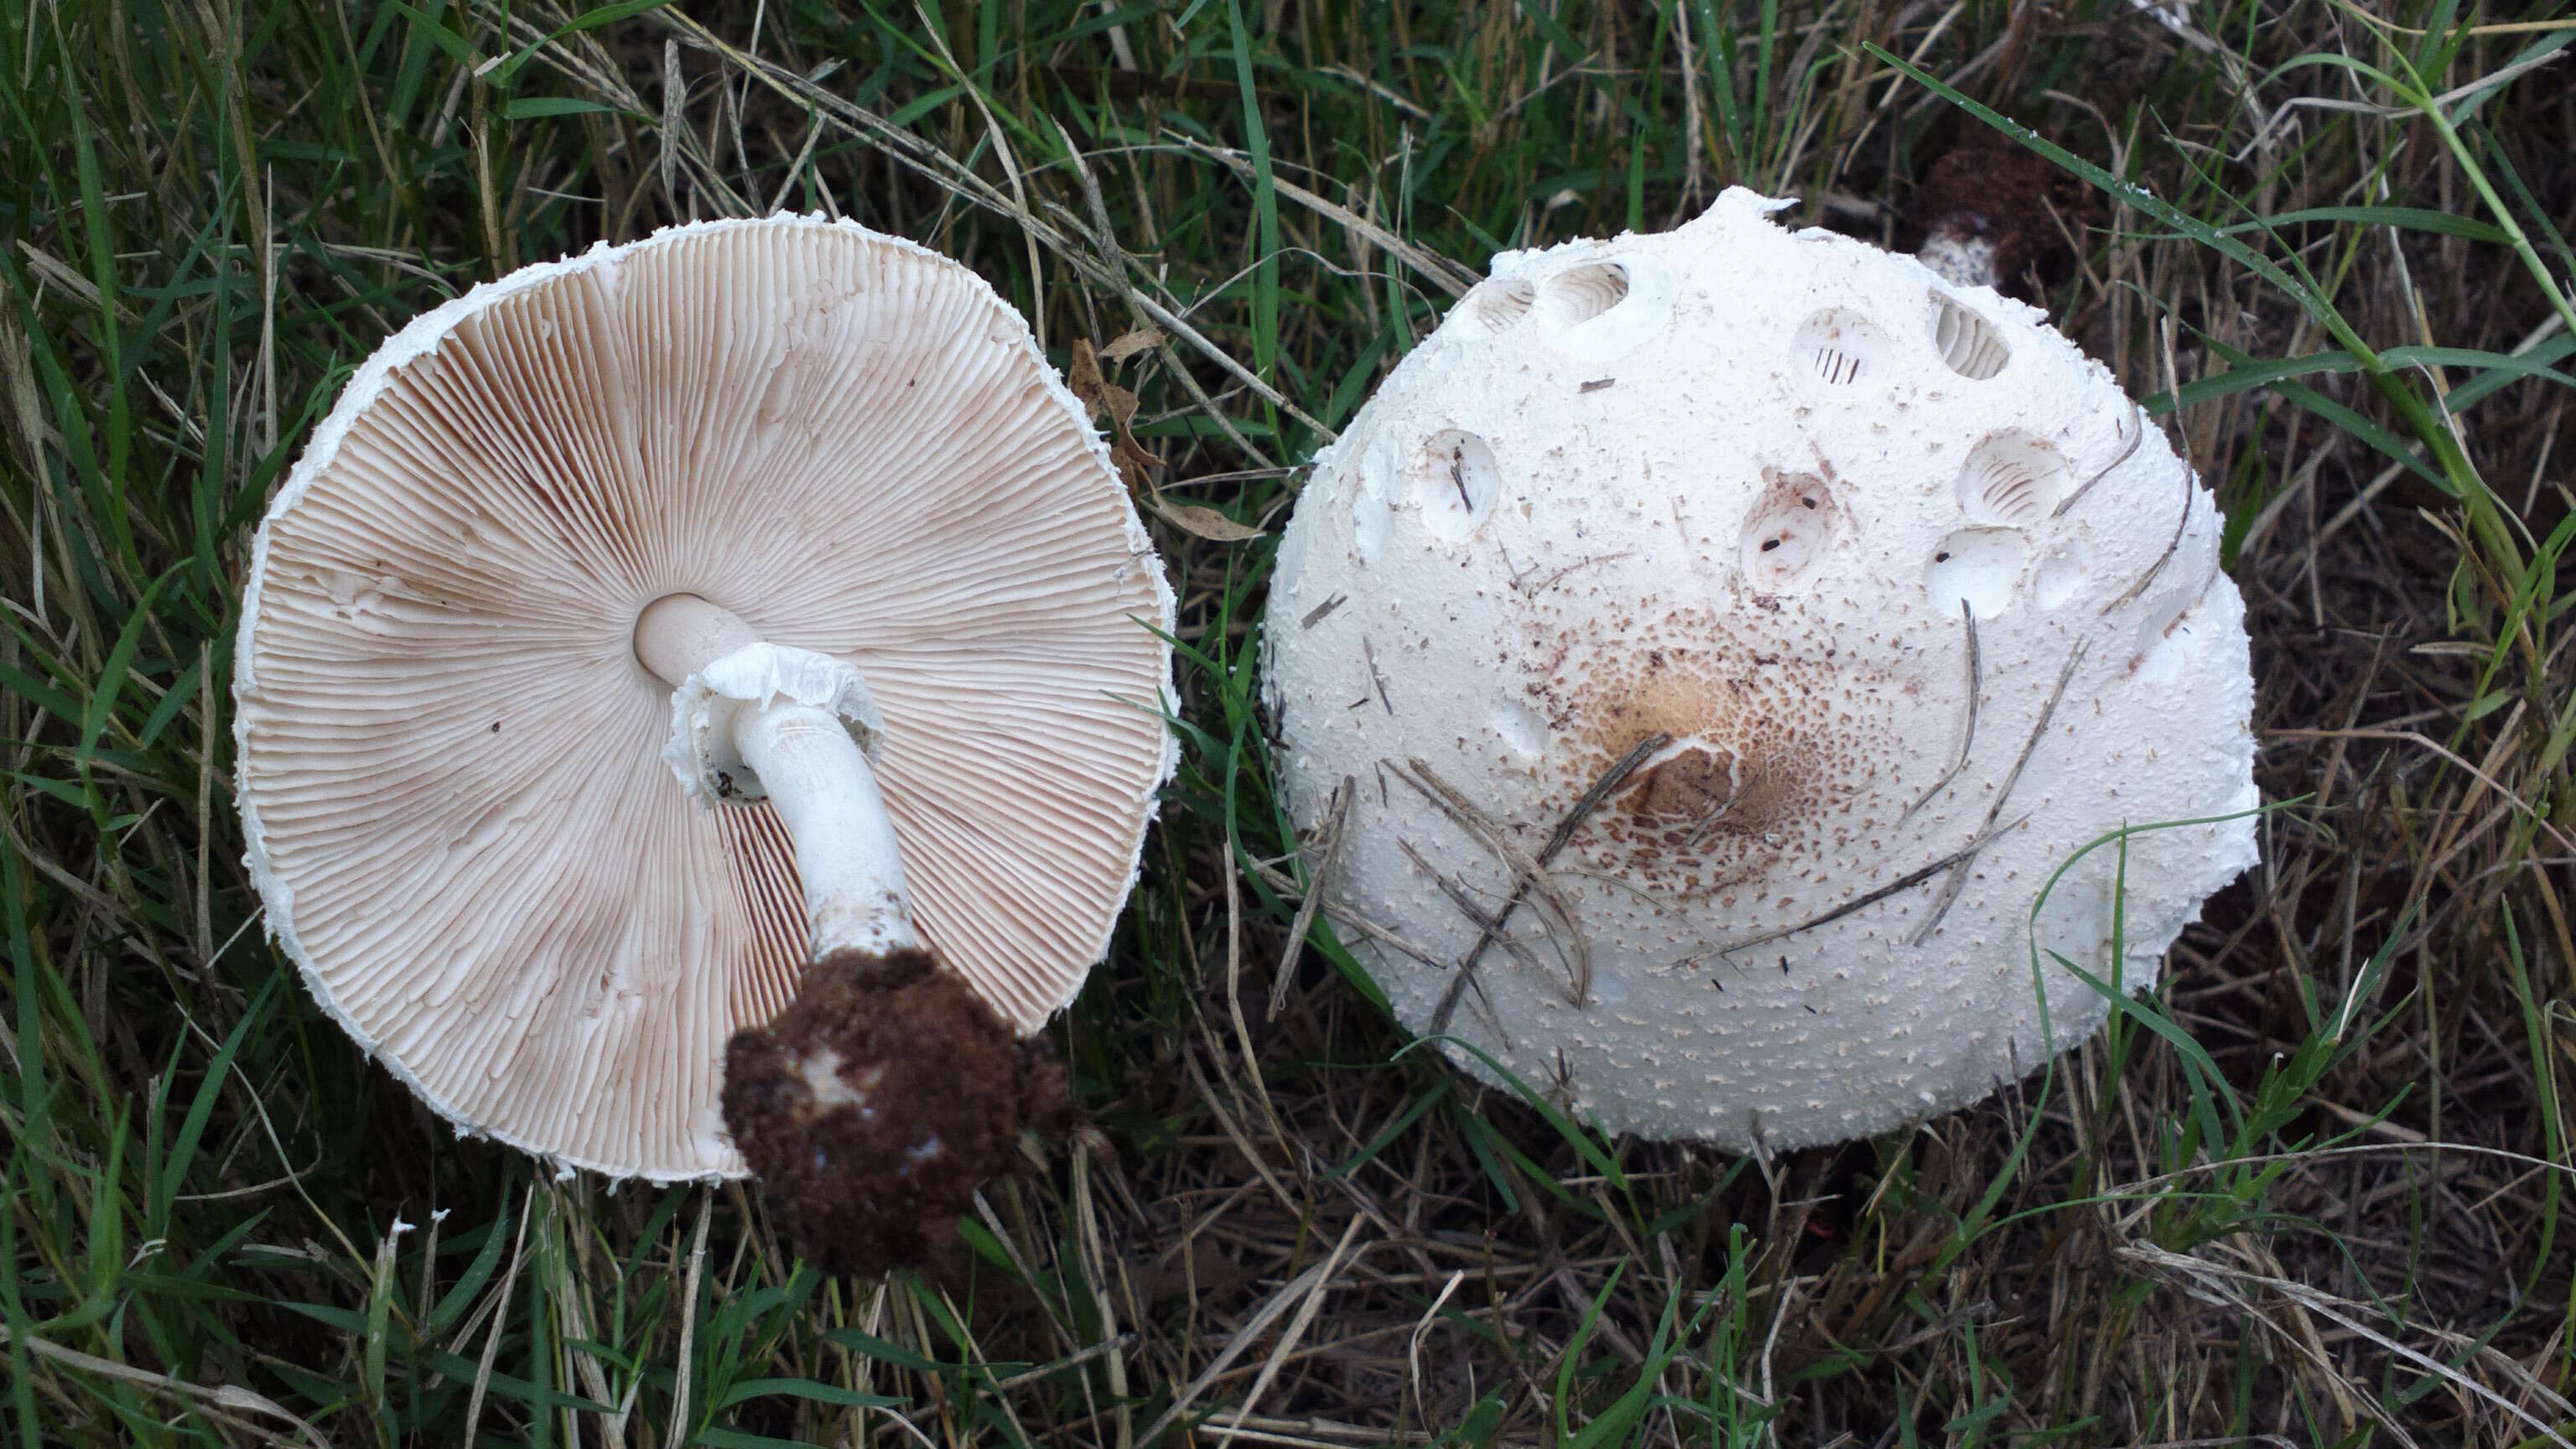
x,y
2308,1192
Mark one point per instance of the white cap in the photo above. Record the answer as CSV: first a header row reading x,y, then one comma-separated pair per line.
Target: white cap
x,y
1733,487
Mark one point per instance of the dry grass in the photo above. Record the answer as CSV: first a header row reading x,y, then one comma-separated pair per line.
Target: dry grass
x,y
2310,1192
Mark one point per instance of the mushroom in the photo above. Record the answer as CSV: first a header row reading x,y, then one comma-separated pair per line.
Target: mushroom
x,y
1738,645
1994,214
798,514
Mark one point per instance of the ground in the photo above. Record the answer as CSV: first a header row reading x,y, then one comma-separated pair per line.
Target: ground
x,y
2310,1192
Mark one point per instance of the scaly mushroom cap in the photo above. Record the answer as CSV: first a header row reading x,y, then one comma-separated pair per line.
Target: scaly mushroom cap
x,y
1731,488
451,763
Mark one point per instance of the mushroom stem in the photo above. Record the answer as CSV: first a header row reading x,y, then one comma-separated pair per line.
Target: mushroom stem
x,y
820,785
816,777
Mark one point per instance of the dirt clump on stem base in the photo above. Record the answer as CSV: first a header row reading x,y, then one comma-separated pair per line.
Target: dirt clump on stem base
x,y
874,1106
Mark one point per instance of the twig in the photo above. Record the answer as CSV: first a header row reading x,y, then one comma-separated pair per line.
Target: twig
x,y
1468,905
1959,873
2217,1282
1342,915
1337,811
501,1320
1967,737
1905,882
2137,435
1556,841
911,151
1525,870
1307,1285
1368,651
225,1396
1451,277
2415,737
2190,493
1723,808
1077,1357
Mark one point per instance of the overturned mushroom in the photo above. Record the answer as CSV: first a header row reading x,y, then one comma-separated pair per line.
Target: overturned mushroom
x,y
1727,667
798,513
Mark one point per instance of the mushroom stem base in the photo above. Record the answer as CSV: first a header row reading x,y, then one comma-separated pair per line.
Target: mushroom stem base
x,y
877,1102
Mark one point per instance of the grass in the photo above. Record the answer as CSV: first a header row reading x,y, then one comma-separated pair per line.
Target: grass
x,y
2309,1191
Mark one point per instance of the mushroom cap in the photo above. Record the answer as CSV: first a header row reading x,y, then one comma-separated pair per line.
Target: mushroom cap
x,y
1732,486
452,778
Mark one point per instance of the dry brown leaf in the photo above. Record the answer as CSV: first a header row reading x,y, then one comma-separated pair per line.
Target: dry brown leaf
x,y
1200,522
1084,378
1129,344
1134,464
1100,398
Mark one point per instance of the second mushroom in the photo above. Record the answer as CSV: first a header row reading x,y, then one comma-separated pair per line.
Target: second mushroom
x,y
1729,659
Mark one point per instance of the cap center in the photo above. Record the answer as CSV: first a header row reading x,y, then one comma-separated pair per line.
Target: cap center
x,y
1690,782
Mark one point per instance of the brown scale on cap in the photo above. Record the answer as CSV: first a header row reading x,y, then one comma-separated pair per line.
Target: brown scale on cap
x,y
1775,752
875,1105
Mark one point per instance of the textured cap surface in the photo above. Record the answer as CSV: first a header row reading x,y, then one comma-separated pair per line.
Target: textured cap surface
x,y
451,763
1733,487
